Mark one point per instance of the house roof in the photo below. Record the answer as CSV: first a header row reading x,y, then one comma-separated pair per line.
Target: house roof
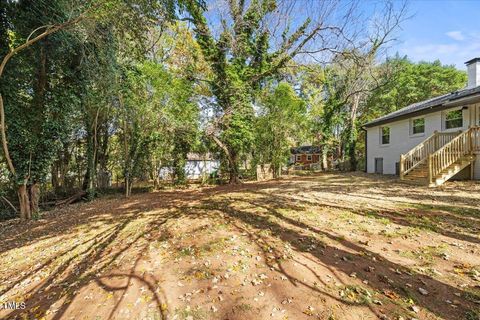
x,y
472,61
200,156
305,150
456,98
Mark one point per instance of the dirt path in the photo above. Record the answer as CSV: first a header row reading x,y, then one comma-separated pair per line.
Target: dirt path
x,y
329,246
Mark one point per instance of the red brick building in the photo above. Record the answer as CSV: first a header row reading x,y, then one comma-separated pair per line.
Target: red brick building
x,y
305,155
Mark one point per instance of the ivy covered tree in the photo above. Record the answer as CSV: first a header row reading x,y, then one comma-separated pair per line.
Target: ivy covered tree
x,y
41,38
242,55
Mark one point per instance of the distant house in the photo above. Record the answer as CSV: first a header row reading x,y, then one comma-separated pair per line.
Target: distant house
x,y
431,141
305,155
200,165
196,167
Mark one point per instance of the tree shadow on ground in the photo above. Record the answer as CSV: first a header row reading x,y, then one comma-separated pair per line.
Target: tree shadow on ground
x,y
445,220
74,273
385,277
453,220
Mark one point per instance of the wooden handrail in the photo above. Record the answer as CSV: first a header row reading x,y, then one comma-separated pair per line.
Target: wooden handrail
x,y
464,144
419,154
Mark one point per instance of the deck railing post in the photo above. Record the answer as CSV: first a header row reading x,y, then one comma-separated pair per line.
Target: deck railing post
x,y
430,169
470,139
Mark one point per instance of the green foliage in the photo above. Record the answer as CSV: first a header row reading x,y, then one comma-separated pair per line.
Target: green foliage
x,y
281,124
241,60
413,82
159,115
38,94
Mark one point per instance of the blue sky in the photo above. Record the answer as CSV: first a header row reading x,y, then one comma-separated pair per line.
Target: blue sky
x,y
441,29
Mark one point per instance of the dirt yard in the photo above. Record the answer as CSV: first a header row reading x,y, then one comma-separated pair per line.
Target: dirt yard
x,y
328,246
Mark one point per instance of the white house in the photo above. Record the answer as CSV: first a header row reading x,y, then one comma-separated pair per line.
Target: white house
x,y
197,166
430,141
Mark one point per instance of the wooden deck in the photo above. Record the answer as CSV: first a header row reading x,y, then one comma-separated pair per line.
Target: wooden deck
x,y
440,157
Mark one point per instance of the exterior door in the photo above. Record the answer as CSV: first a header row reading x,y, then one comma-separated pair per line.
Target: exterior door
x,y
379,165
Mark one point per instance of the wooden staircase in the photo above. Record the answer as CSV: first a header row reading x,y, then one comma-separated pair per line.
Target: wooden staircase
x,y
440,157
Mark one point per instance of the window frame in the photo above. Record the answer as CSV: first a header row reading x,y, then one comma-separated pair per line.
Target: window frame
x,y
412,127
445,120
382,135
298,157
309,157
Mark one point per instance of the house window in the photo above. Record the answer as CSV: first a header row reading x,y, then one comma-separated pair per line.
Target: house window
x,y
454,119
309,157
298,157
385,132
418,126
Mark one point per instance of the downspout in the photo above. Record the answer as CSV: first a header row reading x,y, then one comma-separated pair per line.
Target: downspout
x,y
366,149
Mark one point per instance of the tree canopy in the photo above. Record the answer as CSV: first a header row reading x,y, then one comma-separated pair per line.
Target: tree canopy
x,y
103,93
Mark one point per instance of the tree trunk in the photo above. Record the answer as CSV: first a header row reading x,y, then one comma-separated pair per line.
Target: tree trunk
x,y
23,199
233,169
352,134
352,155
34,194
89,179
55,180
128,186
232,161
324,159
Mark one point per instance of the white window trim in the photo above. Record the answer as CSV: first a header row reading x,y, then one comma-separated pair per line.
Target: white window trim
x,y
381,136
298,157
444,119
420,134
309,157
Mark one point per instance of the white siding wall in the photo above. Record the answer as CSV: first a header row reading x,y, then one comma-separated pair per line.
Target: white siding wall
x,y
401,141
476,170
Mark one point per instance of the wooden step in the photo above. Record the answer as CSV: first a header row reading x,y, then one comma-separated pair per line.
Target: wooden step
x,y
452,170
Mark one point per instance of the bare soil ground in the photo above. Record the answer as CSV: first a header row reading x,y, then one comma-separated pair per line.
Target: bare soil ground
x,y
327,246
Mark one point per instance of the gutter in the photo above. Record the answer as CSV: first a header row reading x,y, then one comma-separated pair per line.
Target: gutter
x,y
366,149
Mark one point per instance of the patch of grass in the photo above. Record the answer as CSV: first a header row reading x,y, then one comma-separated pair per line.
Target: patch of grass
x,y
400,232
240,265
186,252
472,315
199,273
425,222
365,231
356,294
460,210
378,218
346,215
472,294
187,313
265,233
212,246
243,307
208,248
426,254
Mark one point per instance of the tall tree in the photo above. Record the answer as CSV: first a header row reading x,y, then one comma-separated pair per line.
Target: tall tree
x,y
243,55
30,28
412,82
281,124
